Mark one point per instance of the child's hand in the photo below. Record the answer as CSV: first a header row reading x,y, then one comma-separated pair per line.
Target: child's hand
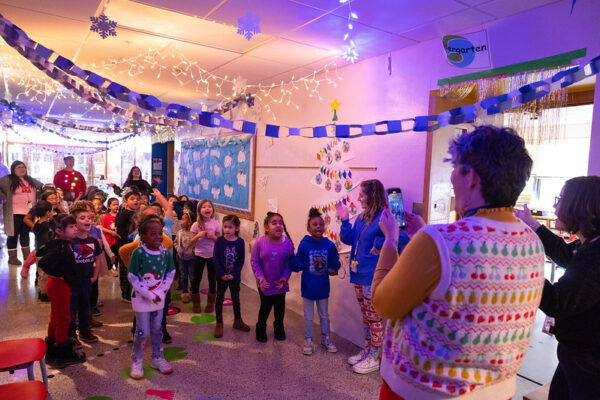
x,y
262,282
210,236
93,279
281,283
156,299
115,234
374,251
229,277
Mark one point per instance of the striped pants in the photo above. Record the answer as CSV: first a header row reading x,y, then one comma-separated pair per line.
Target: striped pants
x,y
372,323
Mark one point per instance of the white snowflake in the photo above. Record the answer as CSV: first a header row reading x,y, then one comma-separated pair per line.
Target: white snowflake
x,y
248,25
104,26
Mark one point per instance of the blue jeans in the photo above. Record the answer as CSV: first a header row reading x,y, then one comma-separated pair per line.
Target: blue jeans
x,y
309,315
186,269
147,322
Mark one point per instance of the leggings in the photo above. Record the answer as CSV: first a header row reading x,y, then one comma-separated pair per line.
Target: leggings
x,y
199,263
372,323
21,233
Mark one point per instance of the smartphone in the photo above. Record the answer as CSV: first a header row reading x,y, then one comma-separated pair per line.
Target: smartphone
x,y
396,205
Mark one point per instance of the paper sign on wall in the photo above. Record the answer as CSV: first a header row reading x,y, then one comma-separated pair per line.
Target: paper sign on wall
x,y
469,50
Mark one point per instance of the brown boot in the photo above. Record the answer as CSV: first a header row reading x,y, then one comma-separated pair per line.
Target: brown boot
x,y
13,259
210,305
196,301
240,325
219,330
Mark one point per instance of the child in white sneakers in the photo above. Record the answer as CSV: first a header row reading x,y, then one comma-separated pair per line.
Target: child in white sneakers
x,y
151,272
317,258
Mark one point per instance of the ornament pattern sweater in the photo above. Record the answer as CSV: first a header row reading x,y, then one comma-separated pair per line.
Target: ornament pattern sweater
x,y
471,332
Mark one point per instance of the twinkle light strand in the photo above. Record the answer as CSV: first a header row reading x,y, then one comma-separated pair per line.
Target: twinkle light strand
x,y
350,54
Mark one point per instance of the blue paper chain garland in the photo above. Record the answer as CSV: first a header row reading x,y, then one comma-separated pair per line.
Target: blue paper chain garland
x,y
39,56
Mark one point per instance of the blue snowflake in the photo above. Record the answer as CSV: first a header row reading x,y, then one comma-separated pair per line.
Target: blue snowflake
x,y
104,26
248,25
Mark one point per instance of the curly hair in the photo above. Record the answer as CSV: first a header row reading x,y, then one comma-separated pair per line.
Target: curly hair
x,y
61,221
499,157
148,220
313,213
80,206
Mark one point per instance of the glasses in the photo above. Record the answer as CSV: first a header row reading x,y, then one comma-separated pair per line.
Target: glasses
x,y
556,200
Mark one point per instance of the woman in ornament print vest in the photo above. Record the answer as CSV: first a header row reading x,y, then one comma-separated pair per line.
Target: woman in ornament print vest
x,y
19,192
574,300
461,299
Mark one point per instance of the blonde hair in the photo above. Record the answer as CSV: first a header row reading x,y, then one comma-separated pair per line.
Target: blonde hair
x,y
376,201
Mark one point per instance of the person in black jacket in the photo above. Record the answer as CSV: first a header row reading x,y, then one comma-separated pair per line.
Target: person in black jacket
x,y
574,300
57,260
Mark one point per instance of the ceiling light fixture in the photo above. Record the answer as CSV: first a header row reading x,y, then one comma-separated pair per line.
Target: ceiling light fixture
x,y
350,54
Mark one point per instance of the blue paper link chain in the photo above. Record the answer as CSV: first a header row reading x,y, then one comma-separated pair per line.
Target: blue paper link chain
x,y
17,39
103,142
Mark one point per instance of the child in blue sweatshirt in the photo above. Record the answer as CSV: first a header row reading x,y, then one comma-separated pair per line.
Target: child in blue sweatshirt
x,y
317,258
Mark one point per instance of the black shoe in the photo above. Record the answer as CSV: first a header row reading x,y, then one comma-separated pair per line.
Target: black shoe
x,y
279,331
50,350
96,311
166,338
261,333
65,355
43,297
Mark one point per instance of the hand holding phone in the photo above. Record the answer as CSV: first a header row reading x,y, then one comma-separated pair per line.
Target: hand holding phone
x,y
396,205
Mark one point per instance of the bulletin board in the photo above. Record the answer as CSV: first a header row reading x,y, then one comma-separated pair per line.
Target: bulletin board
x,y
221,170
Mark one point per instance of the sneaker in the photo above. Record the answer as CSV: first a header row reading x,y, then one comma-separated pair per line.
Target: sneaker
x,y
126,300
75,343
96,312
330,347
307,349
137,370
88,337
167,339
359,357
162,365
94,323
368,365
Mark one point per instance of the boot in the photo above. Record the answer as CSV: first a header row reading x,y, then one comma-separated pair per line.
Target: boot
x,y
25,271
210,304
65,355
240,325
219,330
279,330
261,332
196,301
50,350
25,251
12,257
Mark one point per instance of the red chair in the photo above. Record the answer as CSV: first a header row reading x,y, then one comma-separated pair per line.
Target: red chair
x,y
30,390
22,353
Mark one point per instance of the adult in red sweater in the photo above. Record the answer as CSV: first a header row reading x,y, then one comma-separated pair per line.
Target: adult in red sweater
x,y
70,181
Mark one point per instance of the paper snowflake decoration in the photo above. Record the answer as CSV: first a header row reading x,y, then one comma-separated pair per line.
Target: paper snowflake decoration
x,y
103,26
239,85
248,25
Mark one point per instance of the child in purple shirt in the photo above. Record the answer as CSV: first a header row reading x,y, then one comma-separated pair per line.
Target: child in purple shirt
x,y
271,258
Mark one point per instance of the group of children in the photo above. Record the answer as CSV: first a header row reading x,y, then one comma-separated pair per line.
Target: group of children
x,y
74,249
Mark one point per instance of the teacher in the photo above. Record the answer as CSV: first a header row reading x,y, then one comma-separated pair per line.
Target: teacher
x,y
366,239
134,179
19,192
70,181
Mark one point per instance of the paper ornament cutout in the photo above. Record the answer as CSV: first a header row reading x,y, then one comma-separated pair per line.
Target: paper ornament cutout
x,y
103,26
161,394
335,106
248,25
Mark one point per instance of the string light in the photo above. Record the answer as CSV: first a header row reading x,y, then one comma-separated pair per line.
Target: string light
x,y
350,54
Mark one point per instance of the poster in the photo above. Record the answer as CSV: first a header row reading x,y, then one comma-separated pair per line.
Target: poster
x,y
221,170
469,50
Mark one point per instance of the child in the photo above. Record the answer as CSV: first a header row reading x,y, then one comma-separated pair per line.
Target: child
x,y
58,262
110,229
41,230
271,256
317,258
131,202
61,203
228,257
151,272
206,229
185,248
87,251
99,210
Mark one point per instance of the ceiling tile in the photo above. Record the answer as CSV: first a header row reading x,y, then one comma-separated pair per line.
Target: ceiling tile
x,y
505,8
400,15
474,2
291,52
329,31
326,5
80,9
188,7
276,17
454,23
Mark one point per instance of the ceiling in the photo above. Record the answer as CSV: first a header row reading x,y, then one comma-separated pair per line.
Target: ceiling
x,y
193,39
